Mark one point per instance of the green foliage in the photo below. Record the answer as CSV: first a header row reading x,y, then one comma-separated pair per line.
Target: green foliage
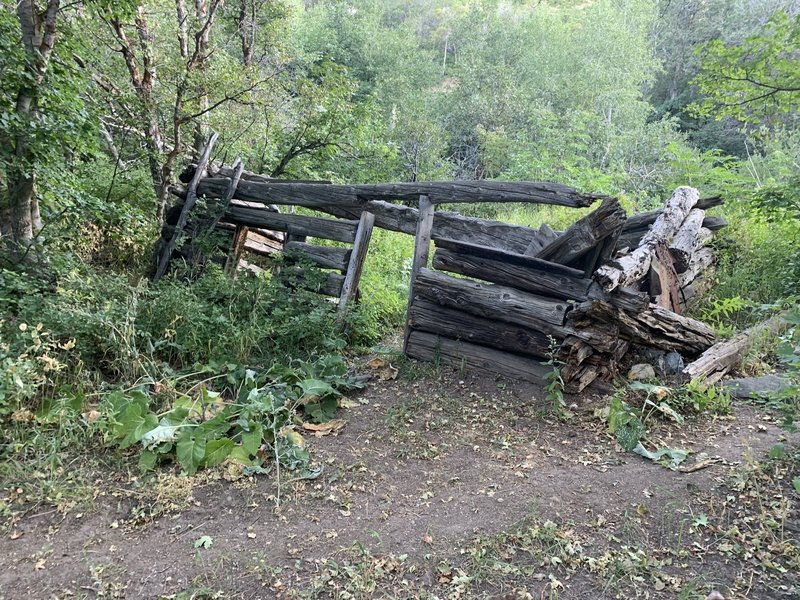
x,y
554,386
754,79
250,422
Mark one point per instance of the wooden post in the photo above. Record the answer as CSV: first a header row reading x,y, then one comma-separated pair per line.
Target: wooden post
x,y
235,254
191,199
356,264
422,247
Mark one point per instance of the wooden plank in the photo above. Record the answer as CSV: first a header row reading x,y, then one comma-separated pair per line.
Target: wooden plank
x,y
235,253
314,195
322,256
338,230
493,302
460,354
191,200
529,278
727,355
434,318
356,265
585,234
509,257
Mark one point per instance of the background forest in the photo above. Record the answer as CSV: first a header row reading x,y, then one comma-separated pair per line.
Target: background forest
x,y
103,103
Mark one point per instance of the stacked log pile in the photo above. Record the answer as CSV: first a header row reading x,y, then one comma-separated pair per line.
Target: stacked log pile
x,y
584,297
504,298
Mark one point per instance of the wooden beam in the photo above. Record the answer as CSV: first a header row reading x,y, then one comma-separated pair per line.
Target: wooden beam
x,y
493,301
323,256
433,318
300,225
315,195
356,264
191,200
422,245
460,354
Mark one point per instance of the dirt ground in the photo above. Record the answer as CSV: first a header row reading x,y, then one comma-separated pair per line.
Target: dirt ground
x,y
440,485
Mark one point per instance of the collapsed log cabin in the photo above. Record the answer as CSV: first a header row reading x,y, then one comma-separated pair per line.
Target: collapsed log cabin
x,y
494,297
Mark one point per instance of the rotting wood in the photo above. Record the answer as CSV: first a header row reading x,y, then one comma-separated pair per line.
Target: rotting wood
x,y
585,234
326,257
493,301
701,260
299,225
235,253
727,355
433,348
629,268
529,278
687,239
188,205
664,279
422,244
433,318
356,264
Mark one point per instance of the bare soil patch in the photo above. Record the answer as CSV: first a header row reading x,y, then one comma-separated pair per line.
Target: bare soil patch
x,y
441,485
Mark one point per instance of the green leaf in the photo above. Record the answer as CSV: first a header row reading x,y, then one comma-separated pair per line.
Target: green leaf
x,y
240,455
217,451
796,484
205,541
777,451
316,387
251,440
165,432
133,424
147,460
190,450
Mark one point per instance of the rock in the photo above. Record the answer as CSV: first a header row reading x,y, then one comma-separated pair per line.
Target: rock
x,y
750,388
673,363
641,372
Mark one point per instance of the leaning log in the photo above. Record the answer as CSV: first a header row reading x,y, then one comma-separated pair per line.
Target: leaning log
x,y
632,267
727,355
585,234
326,257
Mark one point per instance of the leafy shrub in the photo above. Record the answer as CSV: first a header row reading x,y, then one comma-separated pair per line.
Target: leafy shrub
x,y
251,421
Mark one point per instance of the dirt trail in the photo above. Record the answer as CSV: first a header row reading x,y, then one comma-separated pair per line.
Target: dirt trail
x,y
433,479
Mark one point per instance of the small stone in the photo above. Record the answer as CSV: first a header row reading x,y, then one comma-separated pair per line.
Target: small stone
x,y
673,363
753,388
641,372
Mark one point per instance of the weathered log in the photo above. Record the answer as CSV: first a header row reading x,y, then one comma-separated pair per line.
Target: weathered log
x,y
727,355
433,348
687,239
643,220
664,279
235,252
493,301
694,290
529,278
544,235
356,264
191,199
315,195
434,318
329,285
299,225
585,234
701,260
631,238
656,327
322,256
632,267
